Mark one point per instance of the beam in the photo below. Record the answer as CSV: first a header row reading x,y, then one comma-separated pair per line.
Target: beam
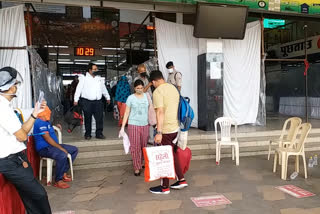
x,y
144,5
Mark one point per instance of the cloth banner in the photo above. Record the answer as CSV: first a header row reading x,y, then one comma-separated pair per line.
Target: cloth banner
x,y
242,66
242,60
159,163
175,42
13,34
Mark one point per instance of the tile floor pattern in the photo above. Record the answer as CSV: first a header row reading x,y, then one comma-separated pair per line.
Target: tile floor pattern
x,y
250,187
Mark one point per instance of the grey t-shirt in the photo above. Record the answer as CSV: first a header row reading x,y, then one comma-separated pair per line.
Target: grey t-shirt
x,y
175,78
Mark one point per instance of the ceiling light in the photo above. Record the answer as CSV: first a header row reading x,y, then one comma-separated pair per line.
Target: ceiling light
x,y
119,49
56,46
68,63
82,60
60,54
81,63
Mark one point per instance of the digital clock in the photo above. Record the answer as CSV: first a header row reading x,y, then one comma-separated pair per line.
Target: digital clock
x,y
84,51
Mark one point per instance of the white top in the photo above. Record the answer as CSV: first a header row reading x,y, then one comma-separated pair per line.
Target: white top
x,y
9,124
91,88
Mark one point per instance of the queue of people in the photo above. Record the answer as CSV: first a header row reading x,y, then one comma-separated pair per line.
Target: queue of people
x,y
90,88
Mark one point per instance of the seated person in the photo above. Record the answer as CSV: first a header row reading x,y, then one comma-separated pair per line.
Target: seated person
x,y
47,145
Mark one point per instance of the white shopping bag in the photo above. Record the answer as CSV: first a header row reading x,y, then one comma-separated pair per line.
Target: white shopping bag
x,y
158,163
182,139
126,142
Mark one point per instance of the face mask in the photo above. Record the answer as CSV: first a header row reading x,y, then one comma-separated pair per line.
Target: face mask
x,y
139,91
15,94
144,74
170,70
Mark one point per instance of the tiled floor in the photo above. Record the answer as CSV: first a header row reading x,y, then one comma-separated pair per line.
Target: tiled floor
x,y
250,187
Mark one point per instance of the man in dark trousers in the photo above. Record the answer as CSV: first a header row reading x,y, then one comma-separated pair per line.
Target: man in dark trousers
x,y
90,89
14,164
166,102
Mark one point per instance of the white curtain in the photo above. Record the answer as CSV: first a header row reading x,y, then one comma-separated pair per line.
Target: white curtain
x,y
13,34
241,87
175,42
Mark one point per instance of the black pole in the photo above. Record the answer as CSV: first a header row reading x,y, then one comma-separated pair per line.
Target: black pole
x,y
306,71
155,49
106,68
117,65
130,43
58,70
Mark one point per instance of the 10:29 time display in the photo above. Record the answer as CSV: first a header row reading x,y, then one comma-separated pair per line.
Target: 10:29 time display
x,y
84,51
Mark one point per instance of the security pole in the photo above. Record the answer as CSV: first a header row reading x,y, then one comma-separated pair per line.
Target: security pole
x,y
305,27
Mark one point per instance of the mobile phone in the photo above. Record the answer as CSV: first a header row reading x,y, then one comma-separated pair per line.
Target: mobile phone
x,y
41,96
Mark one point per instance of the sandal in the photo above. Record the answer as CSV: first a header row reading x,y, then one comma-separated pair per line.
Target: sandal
x,y
66,179
61,185
137,173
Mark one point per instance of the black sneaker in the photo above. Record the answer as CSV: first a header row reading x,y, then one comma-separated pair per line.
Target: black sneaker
x,y
179,185
87,137
159,190
101,137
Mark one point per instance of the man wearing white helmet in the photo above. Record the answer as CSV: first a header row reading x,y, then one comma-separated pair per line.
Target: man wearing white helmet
x,y
14,164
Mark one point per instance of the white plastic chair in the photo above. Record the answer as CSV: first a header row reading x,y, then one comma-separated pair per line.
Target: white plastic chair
x,y
287,133
50,161
295,147
225,124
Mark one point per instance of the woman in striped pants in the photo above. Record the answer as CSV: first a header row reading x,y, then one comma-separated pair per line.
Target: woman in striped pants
x,y
138,129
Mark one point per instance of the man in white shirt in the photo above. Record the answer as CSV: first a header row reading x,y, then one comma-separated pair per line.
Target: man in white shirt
x,y
14,164
90,89
175,77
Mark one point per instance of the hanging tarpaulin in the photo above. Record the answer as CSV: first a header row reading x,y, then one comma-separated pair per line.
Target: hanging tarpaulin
x,y
242,75
13,35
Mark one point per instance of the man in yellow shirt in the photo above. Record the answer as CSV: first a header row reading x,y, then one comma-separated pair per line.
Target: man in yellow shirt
x,y
166,103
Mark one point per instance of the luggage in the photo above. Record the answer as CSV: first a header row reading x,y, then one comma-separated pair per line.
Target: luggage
x,y
184,157
73,118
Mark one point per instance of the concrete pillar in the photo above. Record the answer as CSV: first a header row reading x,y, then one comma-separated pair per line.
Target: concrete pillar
x,y
179,18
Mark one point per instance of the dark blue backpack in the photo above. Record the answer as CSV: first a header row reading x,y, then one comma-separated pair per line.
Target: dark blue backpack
x,y
185,113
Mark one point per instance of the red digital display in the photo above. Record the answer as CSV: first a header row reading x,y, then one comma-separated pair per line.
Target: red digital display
x,y
84,51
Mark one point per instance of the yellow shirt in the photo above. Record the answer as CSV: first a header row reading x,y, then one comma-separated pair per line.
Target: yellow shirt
x,y
167,97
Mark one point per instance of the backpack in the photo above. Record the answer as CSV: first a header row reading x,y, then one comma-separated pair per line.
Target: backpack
x,y
185,113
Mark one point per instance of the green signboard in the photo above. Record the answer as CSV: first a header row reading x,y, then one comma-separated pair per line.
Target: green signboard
x,y
297,6
273,23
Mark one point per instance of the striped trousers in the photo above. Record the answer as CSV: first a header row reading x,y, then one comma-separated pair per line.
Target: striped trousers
x,y
138,136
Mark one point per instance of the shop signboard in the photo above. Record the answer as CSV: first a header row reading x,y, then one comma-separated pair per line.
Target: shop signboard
x,y
297,48
297,6
74,30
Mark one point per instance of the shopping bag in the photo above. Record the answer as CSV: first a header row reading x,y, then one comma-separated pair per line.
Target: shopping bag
x,y
152,118
184,158
159,163
126,142
182,139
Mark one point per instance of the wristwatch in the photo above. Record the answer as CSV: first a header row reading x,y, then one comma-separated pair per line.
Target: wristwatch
x,y
158,132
